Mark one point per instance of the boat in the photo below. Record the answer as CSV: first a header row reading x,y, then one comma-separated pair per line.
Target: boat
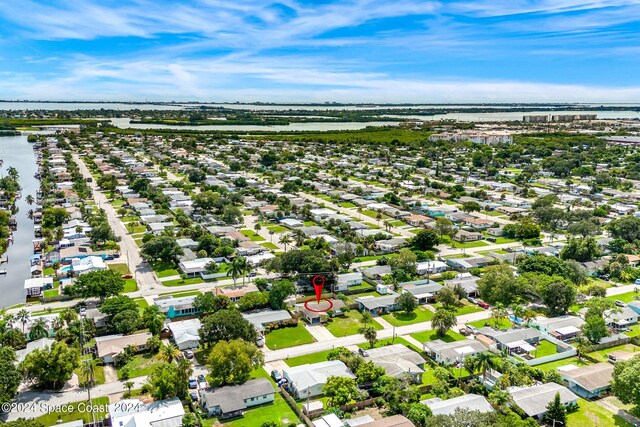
x,y
3,271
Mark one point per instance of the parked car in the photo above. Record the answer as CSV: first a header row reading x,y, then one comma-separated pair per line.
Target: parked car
x,y
483,305
188,354
619,303
604,277
363,352
194,396
472,300
276,375
127,276
193,383
472,329
201,378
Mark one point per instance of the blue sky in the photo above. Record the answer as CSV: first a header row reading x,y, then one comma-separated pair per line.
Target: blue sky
x,y
321,50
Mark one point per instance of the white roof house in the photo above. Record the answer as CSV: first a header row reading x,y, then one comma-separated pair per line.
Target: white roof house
x,y
134,413
308,380
534,400
88,264
471,402
185,333
195,266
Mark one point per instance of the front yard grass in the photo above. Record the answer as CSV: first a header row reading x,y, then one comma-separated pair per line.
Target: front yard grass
x,y
468,245
120,269
164,269
627,297
277,228
278,412
592,414
252,235
54,418
564,362
601,355
425,336
501,324
182,282
288,337
347,205
140,365
545,348
142,303
320,356
130,285
400,318
269,245
349,324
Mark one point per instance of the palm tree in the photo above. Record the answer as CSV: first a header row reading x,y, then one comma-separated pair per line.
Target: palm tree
x,y
378,218
481,362
582,344
271,233
129,385
23,316
518,312
185,369
88,371
499,398
169,353
257,228
68,315
29,199
236,268
443,320
299,237
285,240
58,323
498,314
39,329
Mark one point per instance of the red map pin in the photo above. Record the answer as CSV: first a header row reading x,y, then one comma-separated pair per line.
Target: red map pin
x,y
318,285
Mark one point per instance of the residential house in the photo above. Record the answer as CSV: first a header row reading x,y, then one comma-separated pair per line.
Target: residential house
x,y
378,305
463,236
234,293
621,319
466,402
453,352
87,265
347,280
232,400
173,307
34,287
307,380
376,272
110,346
315,317
423,291
533,400
467,281
186,333
588,381
263,318
430,267
562,327
133,413
398,361
390,245
513,340
196,267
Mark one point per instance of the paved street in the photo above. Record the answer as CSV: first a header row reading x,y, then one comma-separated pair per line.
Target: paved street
x,y
144,275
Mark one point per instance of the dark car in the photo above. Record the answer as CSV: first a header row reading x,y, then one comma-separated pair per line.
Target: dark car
x,y
363,352
201,378
193,383
276,375
604,277
194,396
188,354
483,305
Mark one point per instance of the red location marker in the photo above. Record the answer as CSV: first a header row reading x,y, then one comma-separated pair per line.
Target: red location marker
x,y
318,285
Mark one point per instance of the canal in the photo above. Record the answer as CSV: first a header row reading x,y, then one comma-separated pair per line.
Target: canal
x,y
17,152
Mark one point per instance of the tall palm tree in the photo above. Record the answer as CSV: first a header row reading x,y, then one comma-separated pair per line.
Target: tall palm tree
x,y
271,233
498,314
23,316
68,315
285,240
39,329
518,312
88,370
582,344
481,362
129,385
235,269
185,369
299,237
169,353
499,398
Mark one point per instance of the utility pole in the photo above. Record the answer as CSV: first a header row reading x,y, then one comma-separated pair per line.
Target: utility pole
x,y
83,316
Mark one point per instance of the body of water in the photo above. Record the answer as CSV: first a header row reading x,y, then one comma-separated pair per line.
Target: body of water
x,y
17,152
125,123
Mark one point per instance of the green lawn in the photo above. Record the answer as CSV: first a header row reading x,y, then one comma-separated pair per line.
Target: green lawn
x,y
130,285
49,271
374,214
398,223
277,228
400,318
628,297
98,375
467,245
320,356
269,245
251,234
140,365
544,348
309,223
367,258
349,324
288,337
181,294
347,205
502,240
117,203
50,293
564,362
425,336
278,411
601,355
592,414
389,341
502,324
120,269
181,282
466,308
142,303
164,269
53,418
